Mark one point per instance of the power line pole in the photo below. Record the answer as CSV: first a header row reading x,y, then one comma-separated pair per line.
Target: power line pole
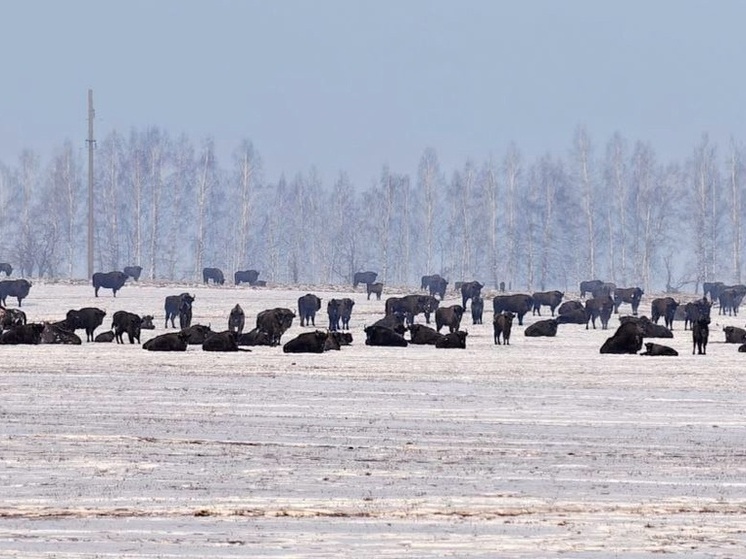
x,y
91,141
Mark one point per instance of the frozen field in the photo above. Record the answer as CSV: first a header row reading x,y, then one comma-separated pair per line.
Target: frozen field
x,y
542,448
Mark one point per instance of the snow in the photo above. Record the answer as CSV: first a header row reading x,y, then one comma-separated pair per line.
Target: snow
x,y
541,448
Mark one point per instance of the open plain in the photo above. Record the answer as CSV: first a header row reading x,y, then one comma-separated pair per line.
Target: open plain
x,y
541,448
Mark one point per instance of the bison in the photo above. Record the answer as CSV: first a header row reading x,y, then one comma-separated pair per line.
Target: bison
x,y
236,319
275,322
11,317
700,334
18,288
631,295
435,285
395,321
570,306
173,341
6,268
104,337
658,349
649,328
626,339
734,335
222,341
131,323
477,309
246,276
730,299
469,290
713,289
54,333
87,318
453,340
695,310
601,308
363,277
412,305
176,305
663,307
374,288
26,334
196,334
345,312
519,304
308,304
421,334
589,286
254,337
502,324
332,311
214,274
550,299
377,335
133,272
108,280
449,316
307,342
542,328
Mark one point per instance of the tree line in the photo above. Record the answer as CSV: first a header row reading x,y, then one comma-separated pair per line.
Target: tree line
x,y
613,211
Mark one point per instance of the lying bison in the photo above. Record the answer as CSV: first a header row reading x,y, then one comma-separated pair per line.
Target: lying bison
x,y
24,334
307,342
542,328
648,327
108,280
423,335
222,341
453,340
658,349
627,339
377,335
734,335
53,333
173,341
254,337
275,322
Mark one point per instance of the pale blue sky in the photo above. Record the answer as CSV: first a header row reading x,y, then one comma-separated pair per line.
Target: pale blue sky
x,y
353,85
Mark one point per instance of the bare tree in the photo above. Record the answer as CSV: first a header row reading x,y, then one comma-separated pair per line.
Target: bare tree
x,y
512,169
615,178
429,181
582,151
735,167
205,184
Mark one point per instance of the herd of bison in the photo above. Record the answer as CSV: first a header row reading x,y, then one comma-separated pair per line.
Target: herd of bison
x,y
598,301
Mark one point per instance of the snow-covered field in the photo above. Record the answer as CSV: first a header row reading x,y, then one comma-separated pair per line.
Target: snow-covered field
x,y
541,448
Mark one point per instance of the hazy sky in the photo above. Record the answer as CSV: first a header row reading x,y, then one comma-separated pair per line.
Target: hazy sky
x,y
352,85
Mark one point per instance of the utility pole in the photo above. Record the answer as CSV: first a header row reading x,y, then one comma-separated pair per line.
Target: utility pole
x,y
91,141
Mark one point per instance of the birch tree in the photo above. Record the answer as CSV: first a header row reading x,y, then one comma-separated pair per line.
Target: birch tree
x,y
735,202
582,151
205,184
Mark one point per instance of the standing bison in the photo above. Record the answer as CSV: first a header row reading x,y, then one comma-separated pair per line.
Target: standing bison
x,y
374,288
700,334
589,286
275,322
435,284
663,307
599,307
175,305
502,324
308,304
236,319
449,316
246,276
631,295
551,299
214,274
108,280
469,290
363,277
519,304
18,288
130,323
412,305
87,318
477,309
6,268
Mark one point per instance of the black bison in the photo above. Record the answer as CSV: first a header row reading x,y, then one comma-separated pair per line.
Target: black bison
x,y
435,285
631,295
108,280
542,328
519,304
502,324
730,299
453,340
308,304
477,309
341,338
26,334
589,286
87,318
307,342
254,337
104,337
6,268
469,290
734,335
658,349
18,288
363,277
214,274
551,299
130,323
246,276
222,341
570,306
700,333
664,307
601,308
11,317
179,306
576,316
626,339
196,334
695,310
412,305
607,289
236,319
421,334
648,327
275,322
374,288
332,311
133,272
53,333
449,316
345,312
173,341
377,335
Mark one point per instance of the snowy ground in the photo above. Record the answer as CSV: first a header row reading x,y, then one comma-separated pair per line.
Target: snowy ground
x,y
542,448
